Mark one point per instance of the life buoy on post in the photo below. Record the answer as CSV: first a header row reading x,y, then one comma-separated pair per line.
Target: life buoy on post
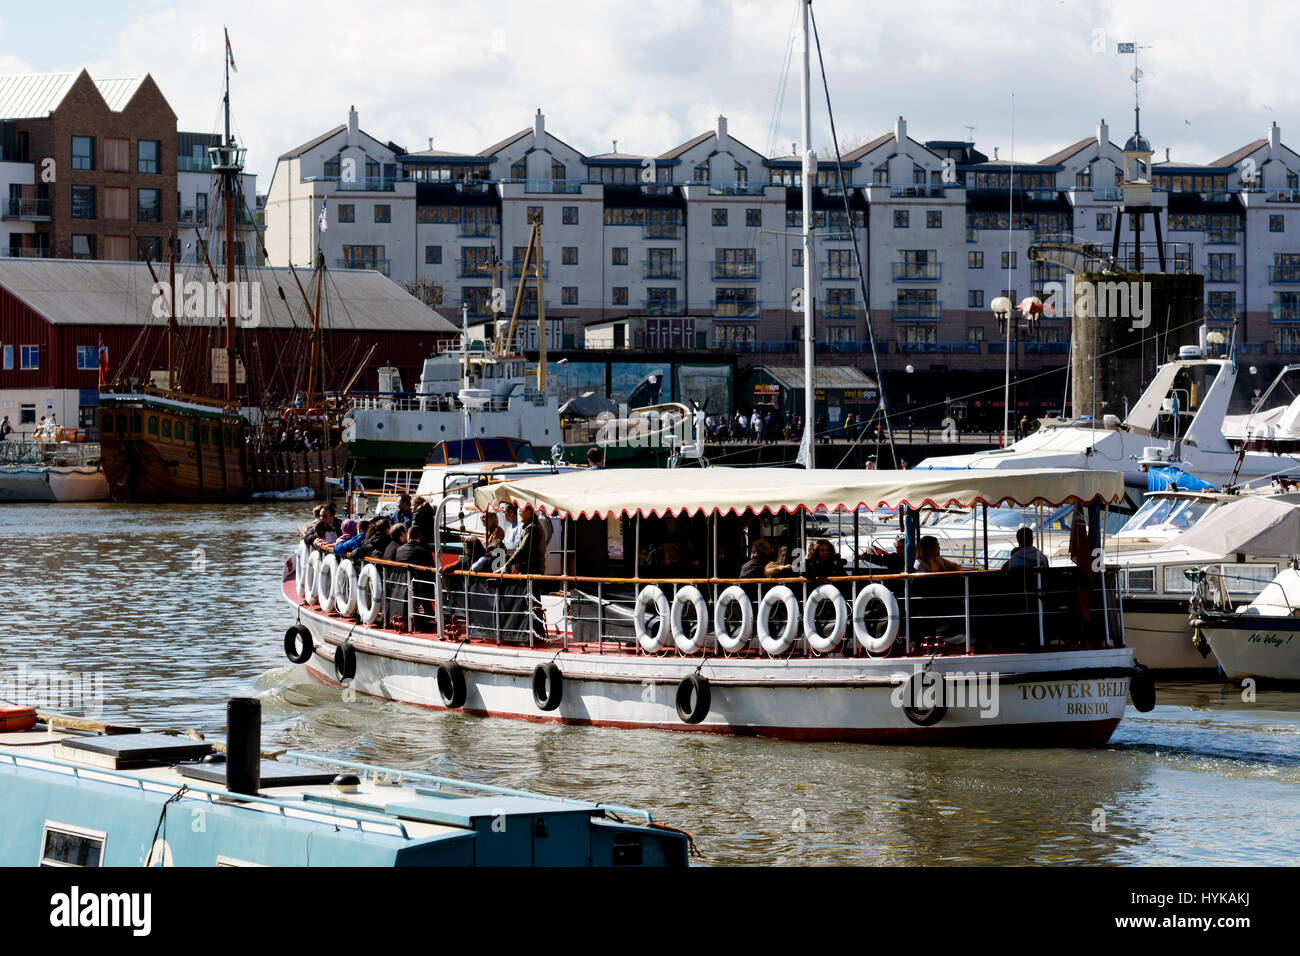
x,y
864,626
300,569
312,577
298,644
325,582
345,589
451,684
728,640
650,600
345,662
819,642
780,643
368,594
689,643
693,699
548,686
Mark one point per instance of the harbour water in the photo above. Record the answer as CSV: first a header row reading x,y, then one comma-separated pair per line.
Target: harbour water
x,y
168,611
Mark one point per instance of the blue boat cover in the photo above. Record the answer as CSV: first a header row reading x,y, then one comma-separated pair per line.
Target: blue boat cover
x,y
1160,479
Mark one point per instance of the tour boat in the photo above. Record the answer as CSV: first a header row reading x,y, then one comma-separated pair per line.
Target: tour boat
x,y
645,621
76,793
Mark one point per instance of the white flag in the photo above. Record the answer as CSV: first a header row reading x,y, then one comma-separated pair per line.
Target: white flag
x,y
323,220
802,458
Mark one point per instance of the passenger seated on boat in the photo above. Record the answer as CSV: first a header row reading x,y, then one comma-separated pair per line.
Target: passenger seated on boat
x,y
890,563
928,558
760,554
403,513
308,530
510,527
823,562
327,528
376,540
1025,555
493,535
396,538
415,551
781,567
350,538
422,516
529,557
596,458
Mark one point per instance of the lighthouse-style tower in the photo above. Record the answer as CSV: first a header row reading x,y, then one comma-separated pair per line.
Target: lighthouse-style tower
x,y
1135,189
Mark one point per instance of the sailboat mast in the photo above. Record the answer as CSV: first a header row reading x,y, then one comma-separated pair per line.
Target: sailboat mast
x,y
228,214
809,393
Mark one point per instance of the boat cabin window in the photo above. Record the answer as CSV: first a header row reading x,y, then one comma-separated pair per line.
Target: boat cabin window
x,y
1176,514
1137,580
467,451
153,424
190,431
166,428
523,450
63,845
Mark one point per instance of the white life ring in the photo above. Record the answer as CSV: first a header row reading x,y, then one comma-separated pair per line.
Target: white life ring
x,y
777,645
870,643
824,643
345,589
368,594
689,594
726,640
312,577
650,594
300,568
325,582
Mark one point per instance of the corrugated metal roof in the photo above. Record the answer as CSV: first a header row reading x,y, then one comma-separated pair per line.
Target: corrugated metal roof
x,y
80,292
36,95
824,376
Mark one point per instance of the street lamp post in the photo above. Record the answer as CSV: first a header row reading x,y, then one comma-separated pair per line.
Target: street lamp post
x,y
1031,309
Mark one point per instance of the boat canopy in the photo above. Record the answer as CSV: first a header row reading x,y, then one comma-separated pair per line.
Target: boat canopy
x,y
1256,525
599,492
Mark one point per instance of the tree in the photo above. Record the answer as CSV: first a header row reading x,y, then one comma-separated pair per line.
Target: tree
x,y
426,290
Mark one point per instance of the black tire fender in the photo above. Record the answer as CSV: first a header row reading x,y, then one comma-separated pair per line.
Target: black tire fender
x,y
451,684
548,686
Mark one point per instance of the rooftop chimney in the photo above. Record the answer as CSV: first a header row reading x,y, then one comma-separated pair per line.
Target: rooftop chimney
x,y
722,132
995,152
616,146
539,124
900,130
353,139
1166,154
1103,134
431,142
1274,138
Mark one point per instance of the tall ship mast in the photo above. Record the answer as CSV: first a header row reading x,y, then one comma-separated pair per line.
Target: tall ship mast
x,y
233,434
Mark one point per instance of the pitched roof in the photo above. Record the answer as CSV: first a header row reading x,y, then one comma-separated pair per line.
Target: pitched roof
x,y
677,151
1233,158
313,143
36,95
497,147
1059,157
82,292
866,148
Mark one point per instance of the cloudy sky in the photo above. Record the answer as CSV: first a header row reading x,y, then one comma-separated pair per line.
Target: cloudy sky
x,y
653,73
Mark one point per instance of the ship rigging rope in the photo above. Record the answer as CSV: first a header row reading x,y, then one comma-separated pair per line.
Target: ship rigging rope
x,y
162,825
883,402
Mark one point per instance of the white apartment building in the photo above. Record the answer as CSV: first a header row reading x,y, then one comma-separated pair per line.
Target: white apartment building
x,y
699,245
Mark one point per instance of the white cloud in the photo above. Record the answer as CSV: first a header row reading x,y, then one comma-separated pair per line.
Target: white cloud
x,y
652,73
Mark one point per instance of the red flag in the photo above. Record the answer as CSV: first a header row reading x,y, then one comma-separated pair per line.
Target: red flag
x,y
103,362
230,54
1081,555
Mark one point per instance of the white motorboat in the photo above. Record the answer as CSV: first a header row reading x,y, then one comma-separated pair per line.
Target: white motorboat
x,y
1260,640
51,471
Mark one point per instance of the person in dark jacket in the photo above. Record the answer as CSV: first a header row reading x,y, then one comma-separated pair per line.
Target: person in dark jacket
x,y
530,555
415,551
397,538
823,562
403,513
377,540
759,556
423,517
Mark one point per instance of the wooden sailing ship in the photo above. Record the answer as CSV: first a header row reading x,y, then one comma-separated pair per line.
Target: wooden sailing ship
x,y
179,444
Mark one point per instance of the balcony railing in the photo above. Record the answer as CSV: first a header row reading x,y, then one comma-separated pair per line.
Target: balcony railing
x,y
29,209
839,272
840,310
472,268
1284,274
736,310
1221,313
1221,274
836,232
369,184
735,270
735,189
917,271
661,230
1283,195
375,265
917,191
191,164
1105,193
1284,312
661,270
476,227
517,268
918,310
948,348
27,252
567,186
661,307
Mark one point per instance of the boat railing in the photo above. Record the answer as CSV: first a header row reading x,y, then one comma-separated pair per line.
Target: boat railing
x,y
958,612
428,402
63,454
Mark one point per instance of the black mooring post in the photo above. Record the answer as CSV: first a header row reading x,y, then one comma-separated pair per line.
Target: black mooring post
x,y
244,745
